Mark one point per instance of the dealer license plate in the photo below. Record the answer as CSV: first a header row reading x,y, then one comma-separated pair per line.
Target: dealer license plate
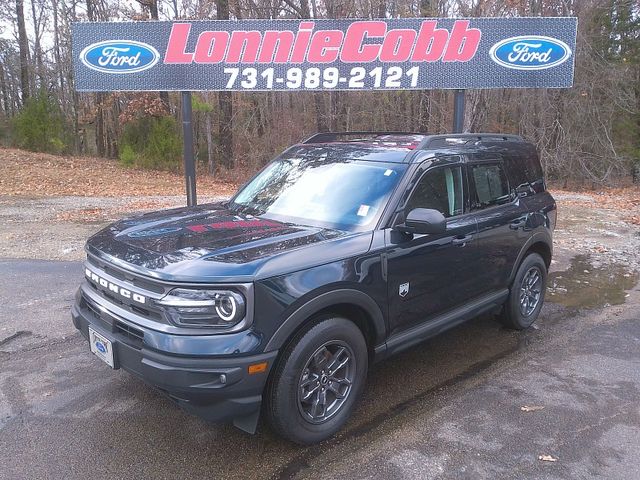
x,y
101,347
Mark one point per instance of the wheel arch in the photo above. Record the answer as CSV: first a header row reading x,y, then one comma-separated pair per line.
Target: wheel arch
x,y
539,243
354,305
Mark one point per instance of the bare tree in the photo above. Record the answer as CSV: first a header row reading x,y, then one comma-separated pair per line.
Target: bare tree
x,y
23,44
225,104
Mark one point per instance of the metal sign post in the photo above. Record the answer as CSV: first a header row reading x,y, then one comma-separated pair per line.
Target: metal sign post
x,y
458,111
322,54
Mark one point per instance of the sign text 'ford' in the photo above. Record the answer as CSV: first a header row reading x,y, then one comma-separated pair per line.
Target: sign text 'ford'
x,y
119,56
530,52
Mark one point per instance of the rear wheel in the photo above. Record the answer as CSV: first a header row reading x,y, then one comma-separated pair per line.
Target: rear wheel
x,y
527,293
317,381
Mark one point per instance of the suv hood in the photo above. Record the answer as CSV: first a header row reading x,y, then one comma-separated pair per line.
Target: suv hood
x,y
212,243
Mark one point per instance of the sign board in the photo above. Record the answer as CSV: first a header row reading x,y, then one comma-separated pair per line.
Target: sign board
x,y
263,55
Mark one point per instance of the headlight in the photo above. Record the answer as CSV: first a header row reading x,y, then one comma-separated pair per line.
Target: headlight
x,y
204,308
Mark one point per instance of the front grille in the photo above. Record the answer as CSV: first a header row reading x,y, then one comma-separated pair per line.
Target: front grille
x,y
143,312
90,306
134,335
147,288
126,276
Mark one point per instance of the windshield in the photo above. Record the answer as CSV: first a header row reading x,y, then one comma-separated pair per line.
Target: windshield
x,y
342,194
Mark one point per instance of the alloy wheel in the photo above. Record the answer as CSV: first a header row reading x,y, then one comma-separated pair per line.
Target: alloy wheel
x,y
326,381
530,291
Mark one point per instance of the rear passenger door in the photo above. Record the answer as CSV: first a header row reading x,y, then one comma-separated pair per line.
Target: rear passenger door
x,y
499,215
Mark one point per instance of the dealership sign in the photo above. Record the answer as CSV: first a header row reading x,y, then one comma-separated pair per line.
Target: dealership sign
x,y
246,55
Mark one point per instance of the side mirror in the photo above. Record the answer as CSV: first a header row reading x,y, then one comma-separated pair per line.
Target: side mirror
x,y
424,221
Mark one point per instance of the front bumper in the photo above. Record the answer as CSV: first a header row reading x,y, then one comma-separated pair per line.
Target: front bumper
x,y
212,387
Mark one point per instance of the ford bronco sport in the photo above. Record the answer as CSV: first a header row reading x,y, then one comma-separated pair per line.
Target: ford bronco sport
x,y
347,248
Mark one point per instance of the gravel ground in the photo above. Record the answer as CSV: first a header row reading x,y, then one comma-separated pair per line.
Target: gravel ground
x,y
56,228
607,235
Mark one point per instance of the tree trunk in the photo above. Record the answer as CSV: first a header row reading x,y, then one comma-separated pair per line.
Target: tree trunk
x,y
338,111
321,112
56,52
37,49
79,136
164,96
100,130
635,173
23,43
211,165
225,103
428,8
3,90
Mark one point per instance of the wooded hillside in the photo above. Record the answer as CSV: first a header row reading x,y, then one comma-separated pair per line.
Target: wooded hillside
x,y
587,135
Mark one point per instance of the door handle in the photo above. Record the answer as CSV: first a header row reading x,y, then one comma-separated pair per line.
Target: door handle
x,y
517,224
461,241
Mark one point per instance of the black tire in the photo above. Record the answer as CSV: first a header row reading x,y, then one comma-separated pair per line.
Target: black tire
x,y
298,420
514,313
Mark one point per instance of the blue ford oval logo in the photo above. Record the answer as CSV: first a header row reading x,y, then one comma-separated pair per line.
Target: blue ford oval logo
x,y
100,347
531,52
119,56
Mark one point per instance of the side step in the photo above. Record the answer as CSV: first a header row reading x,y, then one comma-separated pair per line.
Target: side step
x,y
408,338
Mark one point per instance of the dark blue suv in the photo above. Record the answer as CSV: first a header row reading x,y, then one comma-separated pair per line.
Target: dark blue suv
x,y
345,249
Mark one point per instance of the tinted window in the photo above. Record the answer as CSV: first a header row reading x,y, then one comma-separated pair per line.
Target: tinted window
x,y
439,189
491,185
335,193
525,172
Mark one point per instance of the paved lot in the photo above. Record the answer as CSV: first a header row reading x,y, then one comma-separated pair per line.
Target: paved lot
x,y
450,408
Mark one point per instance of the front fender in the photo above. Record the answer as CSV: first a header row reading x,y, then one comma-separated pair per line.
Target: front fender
x,y
326,300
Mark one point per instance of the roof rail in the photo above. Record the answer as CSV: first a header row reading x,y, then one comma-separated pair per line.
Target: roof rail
x,y
464,138
327,137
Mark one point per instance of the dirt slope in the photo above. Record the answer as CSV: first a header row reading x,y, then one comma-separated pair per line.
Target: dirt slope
x,y
40,174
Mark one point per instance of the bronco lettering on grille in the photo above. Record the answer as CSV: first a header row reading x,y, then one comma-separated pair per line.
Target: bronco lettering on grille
x,y
115,288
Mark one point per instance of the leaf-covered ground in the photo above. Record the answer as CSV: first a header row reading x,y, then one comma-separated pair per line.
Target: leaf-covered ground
x,y
40,174
624,200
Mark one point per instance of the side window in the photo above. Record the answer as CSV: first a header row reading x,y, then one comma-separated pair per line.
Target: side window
x,y
439,189
491,185
524,171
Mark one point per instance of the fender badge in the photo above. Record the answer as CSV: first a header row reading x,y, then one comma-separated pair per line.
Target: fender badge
x,y
403,290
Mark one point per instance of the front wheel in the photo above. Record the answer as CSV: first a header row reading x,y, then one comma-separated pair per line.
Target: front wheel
x,y
317,381
527,293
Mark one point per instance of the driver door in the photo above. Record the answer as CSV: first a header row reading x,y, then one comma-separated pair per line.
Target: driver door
x,y
430,274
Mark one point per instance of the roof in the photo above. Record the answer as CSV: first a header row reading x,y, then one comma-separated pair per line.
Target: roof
x,y
392,146
404,140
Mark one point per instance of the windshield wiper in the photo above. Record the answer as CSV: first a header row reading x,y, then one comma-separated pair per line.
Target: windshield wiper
x,y
251,209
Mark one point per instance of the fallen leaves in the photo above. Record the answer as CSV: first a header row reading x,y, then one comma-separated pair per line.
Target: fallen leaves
x,y
532,408
82,214
623,199
547,458
40,174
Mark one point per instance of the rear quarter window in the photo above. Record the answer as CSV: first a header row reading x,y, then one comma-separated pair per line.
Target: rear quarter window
x,y
524,170
490,185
